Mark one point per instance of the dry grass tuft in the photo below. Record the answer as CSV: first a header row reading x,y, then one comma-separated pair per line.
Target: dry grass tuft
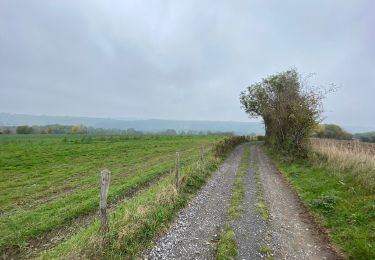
x,y
349,156
167,196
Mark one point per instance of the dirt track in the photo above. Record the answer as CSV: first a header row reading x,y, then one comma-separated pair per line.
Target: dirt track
x,y
294,232
291,232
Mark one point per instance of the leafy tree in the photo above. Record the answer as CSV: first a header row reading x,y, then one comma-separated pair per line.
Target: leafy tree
x,y
132,131
24,129
332,131
170,132
75,129
290,110
366,137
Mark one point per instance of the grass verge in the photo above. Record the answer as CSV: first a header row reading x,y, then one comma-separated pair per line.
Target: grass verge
x,y
266,251
227,244
347,156
337,202
260,205
135,223
238,193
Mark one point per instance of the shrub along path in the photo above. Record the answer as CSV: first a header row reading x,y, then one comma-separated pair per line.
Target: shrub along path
x,y
273,223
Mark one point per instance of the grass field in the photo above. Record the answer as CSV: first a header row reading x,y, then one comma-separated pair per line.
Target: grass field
x,y
134,223
332,184
46,182
353,157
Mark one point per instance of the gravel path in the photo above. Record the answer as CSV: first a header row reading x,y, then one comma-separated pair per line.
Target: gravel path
x,y
250,229
294,232
193,234
290,233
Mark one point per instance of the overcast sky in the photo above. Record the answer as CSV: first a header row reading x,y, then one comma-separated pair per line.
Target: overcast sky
x,y
181,59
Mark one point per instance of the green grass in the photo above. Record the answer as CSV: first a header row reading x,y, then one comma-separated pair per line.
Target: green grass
x,y
238,193
260,205
338,204
262,210
48,181
227,244
265,249
135,223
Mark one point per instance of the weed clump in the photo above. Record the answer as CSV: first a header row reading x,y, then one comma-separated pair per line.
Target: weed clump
x,y
227,245
326,203
225,146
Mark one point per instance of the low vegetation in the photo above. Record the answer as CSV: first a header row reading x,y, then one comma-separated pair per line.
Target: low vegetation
x,y
227,244
262,209
265,251
238,193
260,205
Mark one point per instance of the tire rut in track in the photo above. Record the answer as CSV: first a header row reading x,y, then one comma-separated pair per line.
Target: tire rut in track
x,y
250,228
291,232
294,232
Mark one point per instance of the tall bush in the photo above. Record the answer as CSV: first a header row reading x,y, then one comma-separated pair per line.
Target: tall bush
x,y
24,129
226,145
290,109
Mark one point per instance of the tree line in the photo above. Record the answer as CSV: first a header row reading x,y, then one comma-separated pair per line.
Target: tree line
x,y
81,129
368,137
331,131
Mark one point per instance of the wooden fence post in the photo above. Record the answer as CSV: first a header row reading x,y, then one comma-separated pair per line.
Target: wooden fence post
x,y
202,151
177,168
104,185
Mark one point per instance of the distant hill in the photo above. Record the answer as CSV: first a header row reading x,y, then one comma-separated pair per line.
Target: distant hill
x,y
147,125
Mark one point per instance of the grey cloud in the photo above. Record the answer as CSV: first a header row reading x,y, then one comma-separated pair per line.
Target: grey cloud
x,y
180,59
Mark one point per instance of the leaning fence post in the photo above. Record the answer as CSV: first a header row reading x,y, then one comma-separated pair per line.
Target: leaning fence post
x,y
104,185
177,168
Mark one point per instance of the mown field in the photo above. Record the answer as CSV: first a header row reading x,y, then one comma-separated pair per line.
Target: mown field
x,y
48,183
